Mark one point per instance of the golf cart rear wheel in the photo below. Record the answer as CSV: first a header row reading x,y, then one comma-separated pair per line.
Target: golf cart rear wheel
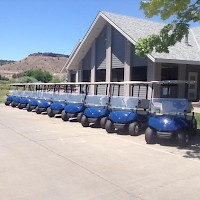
x,y
183,138
50,112
13,104
79,116
103,122
150,136
28,108
134,129
37,110
109,126
20,106
84,121
64,116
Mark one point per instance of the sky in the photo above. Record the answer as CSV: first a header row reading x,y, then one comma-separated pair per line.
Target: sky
x,y
31,26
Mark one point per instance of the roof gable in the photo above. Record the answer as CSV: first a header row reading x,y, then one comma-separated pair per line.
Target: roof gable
x,y
133,29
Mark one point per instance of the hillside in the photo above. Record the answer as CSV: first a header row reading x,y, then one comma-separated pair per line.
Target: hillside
x,y
46,61
3,62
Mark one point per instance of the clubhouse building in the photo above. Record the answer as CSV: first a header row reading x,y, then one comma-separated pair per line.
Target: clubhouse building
x,y
107,53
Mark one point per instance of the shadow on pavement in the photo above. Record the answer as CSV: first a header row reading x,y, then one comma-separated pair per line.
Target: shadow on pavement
x,y
193,150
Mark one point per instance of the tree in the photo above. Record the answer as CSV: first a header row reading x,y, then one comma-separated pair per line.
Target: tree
x,y
183,13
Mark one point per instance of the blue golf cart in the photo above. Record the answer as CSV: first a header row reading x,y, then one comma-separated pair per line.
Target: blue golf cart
x,y
129,112
44,102
96,106
59,102
12,94
171,118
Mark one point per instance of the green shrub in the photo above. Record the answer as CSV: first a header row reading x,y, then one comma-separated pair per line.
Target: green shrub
x,y
40,75
25,79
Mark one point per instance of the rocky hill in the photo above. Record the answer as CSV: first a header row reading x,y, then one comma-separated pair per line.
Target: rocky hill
x,y
46,61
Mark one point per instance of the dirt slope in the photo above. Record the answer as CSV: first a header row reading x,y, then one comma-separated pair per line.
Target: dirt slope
x,y
52,64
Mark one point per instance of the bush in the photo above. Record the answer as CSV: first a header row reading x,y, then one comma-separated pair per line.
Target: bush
x,y
26,79
40,75
3,78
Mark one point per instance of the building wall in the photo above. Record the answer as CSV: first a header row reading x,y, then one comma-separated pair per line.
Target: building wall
x,y
116,55
194,68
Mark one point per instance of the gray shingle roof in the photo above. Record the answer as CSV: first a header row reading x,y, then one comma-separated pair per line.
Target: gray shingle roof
x,y
137,28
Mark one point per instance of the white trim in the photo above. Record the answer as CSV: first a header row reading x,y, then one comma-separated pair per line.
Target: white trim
x,y
195,38
71,55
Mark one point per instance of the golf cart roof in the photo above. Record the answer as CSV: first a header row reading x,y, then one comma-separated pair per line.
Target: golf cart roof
x,y
85,83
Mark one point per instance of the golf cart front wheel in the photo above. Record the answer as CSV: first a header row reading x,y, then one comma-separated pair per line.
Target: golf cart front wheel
x,y
28,108
79,116
50,112
134,128
183,138
109,126
84,121
37,110
150,136
7,103
64,116
103,122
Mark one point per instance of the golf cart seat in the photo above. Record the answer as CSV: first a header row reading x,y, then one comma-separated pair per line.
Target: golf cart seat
x,y
144,104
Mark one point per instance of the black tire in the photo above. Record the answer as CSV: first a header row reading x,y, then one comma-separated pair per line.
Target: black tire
x,y
84,121
134,128
150,136
50,112
13,104
20,106
103,122
194,127
28,108
79,116
183,138
7,103
109,126
37,110
64,116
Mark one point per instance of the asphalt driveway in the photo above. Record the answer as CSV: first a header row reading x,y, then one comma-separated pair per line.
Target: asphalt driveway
x,y
46,159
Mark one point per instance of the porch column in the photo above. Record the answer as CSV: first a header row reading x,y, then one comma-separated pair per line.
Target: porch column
x,y
181,76
69,75
108,52
153,74
93,67
127,67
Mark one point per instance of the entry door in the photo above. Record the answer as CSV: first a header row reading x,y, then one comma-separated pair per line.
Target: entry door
x,y
192,89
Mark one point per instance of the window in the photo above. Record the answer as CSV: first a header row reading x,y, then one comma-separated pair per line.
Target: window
x,y
100,75
86,75
118,75
139,73
169,72
73,77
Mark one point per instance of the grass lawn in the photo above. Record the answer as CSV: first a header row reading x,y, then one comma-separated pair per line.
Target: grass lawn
x,y
4,87
197,116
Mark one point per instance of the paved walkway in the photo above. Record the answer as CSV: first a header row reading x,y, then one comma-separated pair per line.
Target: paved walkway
x,y
47,159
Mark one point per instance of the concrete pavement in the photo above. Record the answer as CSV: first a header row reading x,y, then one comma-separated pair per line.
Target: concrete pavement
x,y
46,159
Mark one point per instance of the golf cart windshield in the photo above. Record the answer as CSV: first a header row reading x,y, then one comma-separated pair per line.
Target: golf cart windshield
x,y
76,98
170,106
96,100
121,102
